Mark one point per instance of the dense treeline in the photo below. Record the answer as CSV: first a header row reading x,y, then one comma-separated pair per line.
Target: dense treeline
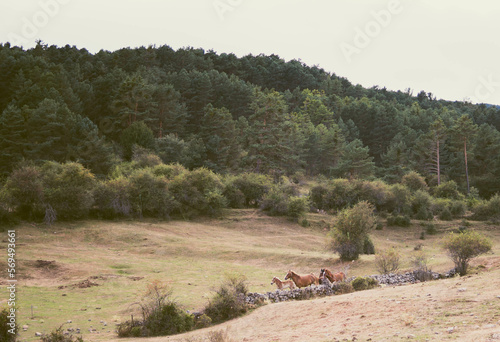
x,y
230,115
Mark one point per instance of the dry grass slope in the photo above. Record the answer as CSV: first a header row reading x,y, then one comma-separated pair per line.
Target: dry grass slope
x,y
91,273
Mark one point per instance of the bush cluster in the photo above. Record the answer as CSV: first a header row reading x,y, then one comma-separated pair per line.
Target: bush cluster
x,y
464,246
160,315
58,335
387,261
364,283
487,210
351,230
5,335
143,187
228,301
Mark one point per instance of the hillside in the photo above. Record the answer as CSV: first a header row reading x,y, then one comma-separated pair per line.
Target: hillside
x,y
462,309
92,273
232,114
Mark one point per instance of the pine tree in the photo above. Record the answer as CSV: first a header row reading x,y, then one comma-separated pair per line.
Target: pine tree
x,y
219,135
170,115
355,162
13,137
464,130
267,150
438,131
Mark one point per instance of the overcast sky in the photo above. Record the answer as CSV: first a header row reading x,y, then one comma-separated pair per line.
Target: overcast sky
x,y
448,47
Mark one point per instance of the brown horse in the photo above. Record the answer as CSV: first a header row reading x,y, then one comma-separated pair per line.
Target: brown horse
x,y
283,284
302,280
333,277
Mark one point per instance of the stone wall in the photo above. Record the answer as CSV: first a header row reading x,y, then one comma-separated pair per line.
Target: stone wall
x,y
329,289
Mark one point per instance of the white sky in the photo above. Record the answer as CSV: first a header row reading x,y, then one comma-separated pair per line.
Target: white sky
x,y
448,47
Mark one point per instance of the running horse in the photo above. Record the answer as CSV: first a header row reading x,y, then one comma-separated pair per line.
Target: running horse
x,y
333,277
302,280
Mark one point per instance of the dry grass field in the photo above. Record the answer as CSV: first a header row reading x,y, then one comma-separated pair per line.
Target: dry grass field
x,y
89,274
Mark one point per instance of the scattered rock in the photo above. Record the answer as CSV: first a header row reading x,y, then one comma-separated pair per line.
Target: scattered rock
x,y
70,321
38,334
463,289
410,336
25,327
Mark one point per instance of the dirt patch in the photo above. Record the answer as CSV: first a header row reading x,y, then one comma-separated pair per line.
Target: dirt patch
x,y
85,284
46,264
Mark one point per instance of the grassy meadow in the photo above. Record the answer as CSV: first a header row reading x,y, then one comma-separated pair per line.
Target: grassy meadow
x,y
91,274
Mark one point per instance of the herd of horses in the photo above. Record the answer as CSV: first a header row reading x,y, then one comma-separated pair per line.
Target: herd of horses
x,y
294,280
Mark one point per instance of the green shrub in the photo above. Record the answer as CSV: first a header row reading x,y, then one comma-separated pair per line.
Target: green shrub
x,y
448,190
228,301
423,214
8,329
250,186
58,335
415,182
376,192
7,218
23,191
400,201
297,207
169,319
317,196
112,198
387,261
342,287
420,205
199,192
160,315
368,246
202,321
364,283
487,210
458,208
340,195
168,171
124,169
68,189
144,157
398,220
350,230
445,215
430,229
421,272
275,202
465,246
149,195
138,133
305,223
360,284
438,205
